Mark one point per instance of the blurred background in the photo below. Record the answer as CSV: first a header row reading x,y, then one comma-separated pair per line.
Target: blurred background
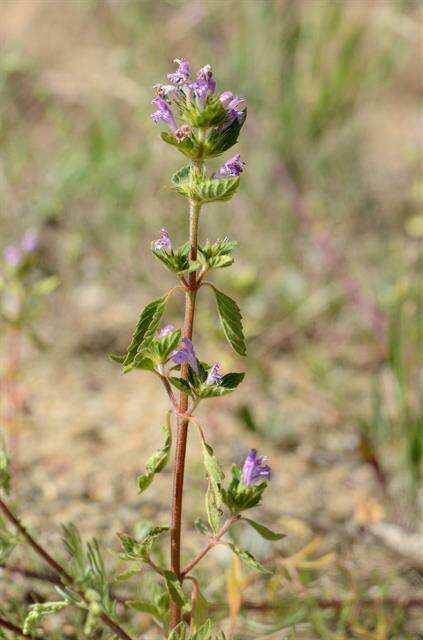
x,y
328,274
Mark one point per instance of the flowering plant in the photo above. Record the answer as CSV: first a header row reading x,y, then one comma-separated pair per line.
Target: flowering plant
x,y
201,125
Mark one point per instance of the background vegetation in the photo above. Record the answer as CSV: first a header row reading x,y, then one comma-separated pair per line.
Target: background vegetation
x,y
330,228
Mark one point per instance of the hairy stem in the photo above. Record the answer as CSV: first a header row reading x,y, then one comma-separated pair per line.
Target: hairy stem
x,y
181,442
64,576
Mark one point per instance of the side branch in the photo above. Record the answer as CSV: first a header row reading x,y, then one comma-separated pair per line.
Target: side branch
x,y
217,539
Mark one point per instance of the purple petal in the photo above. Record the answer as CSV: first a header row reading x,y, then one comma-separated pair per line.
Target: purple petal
x,y
213,376
254,469
168,328
163,243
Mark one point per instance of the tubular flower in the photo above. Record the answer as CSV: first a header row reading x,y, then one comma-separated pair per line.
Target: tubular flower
x,y
186,355
163,243
232,168
213,376
182,73
164,112
254,469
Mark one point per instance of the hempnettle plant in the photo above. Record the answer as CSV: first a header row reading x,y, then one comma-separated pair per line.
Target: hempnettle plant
x,y
201,125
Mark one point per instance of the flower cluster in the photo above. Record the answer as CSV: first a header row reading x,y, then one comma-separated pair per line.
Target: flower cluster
x,y
193,100
14,255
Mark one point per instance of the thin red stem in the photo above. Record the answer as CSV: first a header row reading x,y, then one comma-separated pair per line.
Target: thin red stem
x,y
181,442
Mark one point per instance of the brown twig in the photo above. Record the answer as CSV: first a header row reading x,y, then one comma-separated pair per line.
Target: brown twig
x,y
217,539
65,578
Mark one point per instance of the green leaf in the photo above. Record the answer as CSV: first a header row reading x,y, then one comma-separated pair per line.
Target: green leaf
x,y
204,632
230,381
144,331
139,549
247,557
38,611
126,575
265,533
160,348
216,476
213,468
220,141
181,176
4,468
231,321
174,588
181,385
159,459
144,607
189,146
179,632
213,506
214,189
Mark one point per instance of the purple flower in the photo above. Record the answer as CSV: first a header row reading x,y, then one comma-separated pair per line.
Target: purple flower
x,y
163,243
182,73
213,376
186,355
231,168
164,112
29,241
254,469
230,100
168,328
12,255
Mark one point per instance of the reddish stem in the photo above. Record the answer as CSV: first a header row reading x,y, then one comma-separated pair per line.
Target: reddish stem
x,y
181,442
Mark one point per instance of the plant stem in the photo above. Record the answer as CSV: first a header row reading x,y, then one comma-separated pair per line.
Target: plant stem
x,y
181,442
65,577
5,624
211,543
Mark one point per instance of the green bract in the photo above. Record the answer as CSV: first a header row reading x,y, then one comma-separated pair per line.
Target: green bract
x,y
197,187
238,496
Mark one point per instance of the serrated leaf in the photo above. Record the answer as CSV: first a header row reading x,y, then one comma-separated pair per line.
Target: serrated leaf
x,y
183,175
156,463
213,467
38,611
146,327
231,321
181,385
247,557
265,533
214,189
175,588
